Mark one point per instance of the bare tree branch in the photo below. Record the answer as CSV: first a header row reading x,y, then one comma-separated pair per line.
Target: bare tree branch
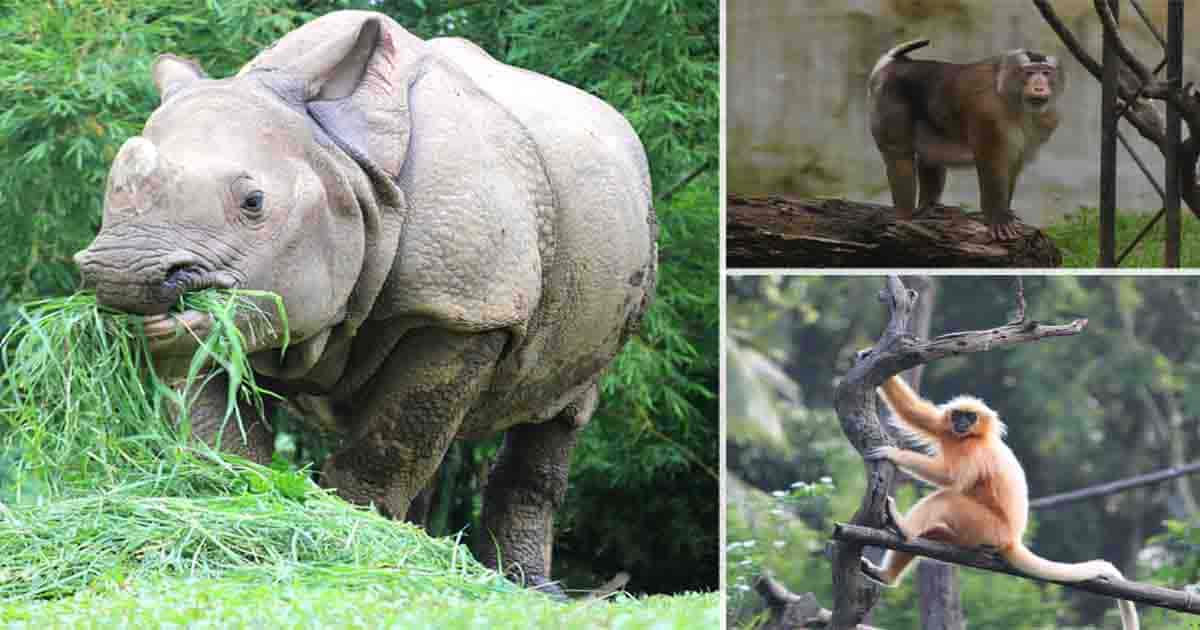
x,y
1139,113
1020,316
1112,487
1154,88
1068,39
1121,589
1183,99
789,611
683,182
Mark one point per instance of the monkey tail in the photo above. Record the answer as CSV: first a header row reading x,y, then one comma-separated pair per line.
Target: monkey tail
x,y
903,49
1022,558
897,52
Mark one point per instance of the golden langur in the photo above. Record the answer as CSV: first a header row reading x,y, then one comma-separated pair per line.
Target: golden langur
x,y
927,116
982,500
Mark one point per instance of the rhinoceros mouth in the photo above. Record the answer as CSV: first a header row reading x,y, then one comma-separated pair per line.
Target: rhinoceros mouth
x,y
167,330
186,278
184,327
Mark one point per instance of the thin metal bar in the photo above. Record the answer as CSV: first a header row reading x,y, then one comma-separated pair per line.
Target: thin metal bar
x,y
1175,84
1108,148
1162,195
1153,182
1138,239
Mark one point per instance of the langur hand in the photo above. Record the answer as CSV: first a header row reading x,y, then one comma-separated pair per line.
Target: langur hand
x,y
881,452
873,572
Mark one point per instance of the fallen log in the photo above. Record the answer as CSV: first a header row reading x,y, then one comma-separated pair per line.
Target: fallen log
x,y
778,231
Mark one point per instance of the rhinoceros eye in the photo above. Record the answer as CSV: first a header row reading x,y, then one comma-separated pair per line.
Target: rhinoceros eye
x,y
253,203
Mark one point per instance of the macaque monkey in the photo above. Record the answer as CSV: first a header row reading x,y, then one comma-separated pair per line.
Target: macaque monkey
x,y
927,116
982,501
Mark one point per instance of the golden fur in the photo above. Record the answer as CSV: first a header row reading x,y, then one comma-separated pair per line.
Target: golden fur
x,y
983,498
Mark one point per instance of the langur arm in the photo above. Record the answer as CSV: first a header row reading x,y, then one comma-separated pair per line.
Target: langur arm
x,y
924,467
911,408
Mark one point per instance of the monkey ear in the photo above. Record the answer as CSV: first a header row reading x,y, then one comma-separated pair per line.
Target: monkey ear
x,y
1002,77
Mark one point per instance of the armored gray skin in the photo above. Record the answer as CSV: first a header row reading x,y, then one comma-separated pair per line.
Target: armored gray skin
x,y
462,248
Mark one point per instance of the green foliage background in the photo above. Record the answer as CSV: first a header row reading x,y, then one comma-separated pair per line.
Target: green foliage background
x,y
1110,403
74,78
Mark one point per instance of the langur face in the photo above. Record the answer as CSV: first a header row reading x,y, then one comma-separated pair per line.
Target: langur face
x,y
962,421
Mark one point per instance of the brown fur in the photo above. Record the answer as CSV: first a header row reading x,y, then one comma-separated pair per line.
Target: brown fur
x,y
927,116
983,499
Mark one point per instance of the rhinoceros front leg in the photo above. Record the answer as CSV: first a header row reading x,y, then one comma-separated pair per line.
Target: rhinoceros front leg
x,y
253,439
412,409
524,490
208,398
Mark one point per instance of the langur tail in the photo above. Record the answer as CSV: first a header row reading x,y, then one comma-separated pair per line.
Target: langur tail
x,y
1022,558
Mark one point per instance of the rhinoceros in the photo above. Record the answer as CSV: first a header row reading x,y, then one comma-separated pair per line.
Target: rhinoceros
x,y
462,248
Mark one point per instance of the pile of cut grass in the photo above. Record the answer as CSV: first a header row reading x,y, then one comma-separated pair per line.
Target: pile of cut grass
x,y
125,494
267,527
80,404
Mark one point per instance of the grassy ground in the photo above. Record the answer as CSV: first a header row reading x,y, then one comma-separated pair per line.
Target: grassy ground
x,y
234,603
270,550
1077,235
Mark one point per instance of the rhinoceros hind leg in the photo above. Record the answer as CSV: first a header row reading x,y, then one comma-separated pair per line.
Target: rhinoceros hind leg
x,y
524,489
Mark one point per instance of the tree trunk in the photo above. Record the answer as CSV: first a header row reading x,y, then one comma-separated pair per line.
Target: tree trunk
x,y
777,231
941,604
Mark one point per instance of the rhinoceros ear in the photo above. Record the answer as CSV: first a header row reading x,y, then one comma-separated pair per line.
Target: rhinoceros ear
x,y
341,68
172,72
358,94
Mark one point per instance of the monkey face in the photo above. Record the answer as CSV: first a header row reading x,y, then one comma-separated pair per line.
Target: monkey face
x,y
1039,77
1039,85
962,421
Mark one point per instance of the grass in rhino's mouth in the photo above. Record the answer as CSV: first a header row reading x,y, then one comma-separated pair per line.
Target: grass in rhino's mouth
x,y
80,403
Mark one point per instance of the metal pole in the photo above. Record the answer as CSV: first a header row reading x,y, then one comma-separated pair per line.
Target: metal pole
x,y
1175,84
1108,148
